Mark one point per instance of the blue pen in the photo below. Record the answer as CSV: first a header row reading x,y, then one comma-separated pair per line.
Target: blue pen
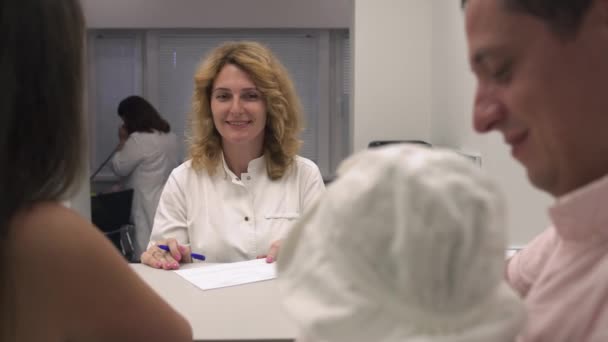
x,y
193,255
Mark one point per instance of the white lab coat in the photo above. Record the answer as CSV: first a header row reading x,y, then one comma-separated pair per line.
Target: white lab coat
x,y
229,218
147,160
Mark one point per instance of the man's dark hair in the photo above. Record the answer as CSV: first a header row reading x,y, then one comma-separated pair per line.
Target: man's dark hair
x,y
140,116
563,16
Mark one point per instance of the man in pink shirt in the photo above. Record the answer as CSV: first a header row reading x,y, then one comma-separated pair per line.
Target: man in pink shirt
x,y
542,82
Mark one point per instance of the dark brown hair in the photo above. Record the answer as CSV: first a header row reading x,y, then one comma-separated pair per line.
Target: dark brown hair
x,y
140,116
41,44
563,16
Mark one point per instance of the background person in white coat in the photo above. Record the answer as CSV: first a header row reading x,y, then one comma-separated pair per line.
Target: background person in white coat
x,y
146,155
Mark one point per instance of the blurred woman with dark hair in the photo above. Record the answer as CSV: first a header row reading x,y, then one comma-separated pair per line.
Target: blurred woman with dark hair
x,y
146,155
60,279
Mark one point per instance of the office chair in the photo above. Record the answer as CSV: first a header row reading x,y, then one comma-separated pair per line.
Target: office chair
x,y
378,143
111,213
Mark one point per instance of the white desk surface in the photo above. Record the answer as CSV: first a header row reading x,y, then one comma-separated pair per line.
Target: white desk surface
x,y
249,312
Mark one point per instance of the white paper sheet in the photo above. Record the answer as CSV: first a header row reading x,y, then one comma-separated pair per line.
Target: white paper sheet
x,y
229,274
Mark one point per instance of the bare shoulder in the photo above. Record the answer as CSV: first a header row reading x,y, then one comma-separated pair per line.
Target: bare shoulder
x,y
60,253
52,230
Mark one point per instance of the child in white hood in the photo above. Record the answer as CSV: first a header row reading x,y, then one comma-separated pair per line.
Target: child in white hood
x,y
406,245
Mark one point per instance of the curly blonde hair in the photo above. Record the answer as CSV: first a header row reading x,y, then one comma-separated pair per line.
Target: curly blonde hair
x,y
284,113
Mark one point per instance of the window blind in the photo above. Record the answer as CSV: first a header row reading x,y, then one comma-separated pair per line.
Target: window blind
x,y
116,76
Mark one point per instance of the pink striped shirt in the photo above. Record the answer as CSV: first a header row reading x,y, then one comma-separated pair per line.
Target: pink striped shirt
x,y
563,273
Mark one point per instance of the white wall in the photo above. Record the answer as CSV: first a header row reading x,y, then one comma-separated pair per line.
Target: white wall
x,y
217,13
391,69
412,80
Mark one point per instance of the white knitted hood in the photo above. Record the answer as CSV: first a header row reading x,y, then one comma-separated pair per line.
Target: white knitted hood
x,y
406,245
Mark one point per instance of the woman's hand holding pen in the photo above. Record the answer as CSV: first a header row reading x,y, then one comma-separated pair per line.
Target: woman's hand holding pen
x,y
166,254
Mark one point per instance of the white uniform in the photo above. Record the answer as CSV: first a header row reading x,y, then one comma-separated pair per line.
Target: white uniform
x,y
229,219
146,160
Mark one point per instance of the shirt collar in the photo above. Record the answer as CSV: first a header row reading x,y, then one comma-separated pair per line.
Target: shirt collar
x,y
582,213
255,167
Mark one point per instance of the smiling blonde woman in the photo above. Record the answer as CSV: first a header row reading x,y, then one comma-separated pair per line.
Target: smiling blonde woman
x,y
245,185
